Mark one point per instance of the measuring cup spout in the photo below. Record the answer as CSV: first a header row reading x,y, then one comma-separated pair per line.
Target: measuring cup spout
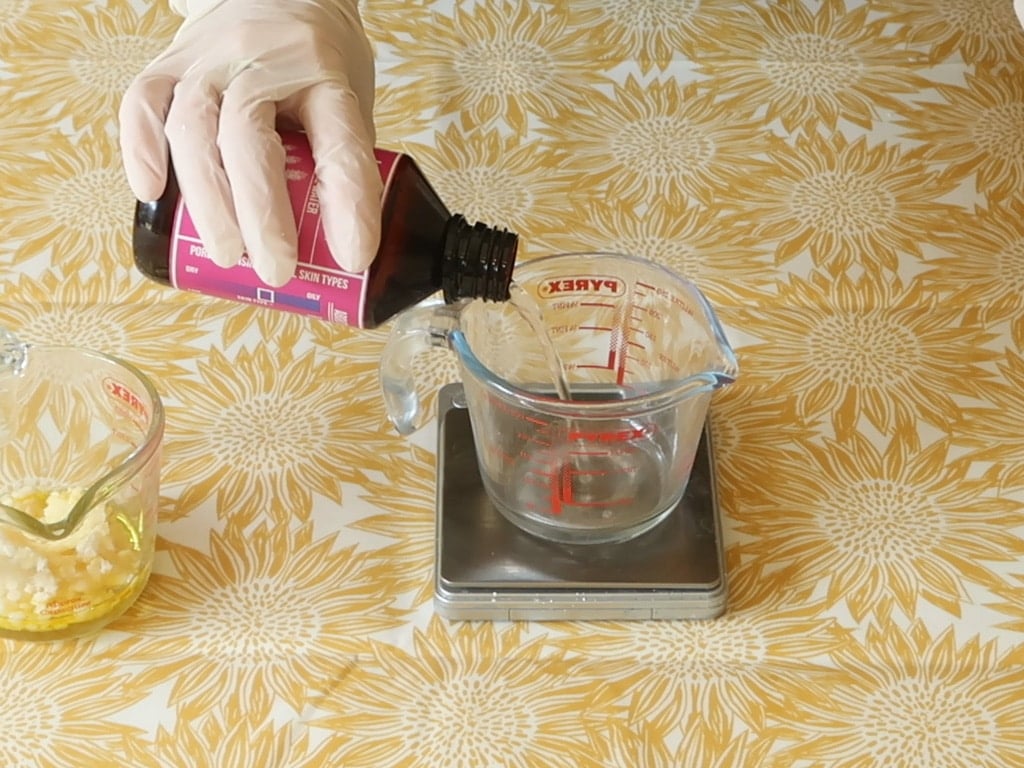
x,y
692,386
723,369
722,380
718,379
726,369
720,370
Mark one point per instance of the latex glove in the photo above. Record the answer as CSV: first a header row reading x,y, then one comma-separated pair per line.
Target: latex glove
x,y
235,69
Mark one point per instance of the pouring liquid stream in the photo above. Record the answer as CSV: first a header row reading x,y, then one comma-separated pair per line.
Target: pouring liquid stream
x,y
582,472
530,311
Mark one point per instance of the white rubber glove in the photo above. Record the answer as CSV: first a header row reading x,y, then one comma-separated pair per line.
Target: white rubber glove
x,y
235,69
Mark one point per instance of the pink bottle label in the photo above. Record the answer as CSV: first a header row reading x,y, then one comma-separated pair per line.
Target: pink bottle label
x,y
319,288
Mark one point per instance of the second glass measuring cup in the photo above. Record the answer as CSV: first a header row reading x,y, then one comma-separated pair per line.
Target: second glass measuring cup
x,y
642,351
80,441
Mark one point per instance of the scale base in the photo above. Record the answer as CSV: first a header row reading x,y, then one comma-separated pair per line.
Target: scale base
x,y
486,568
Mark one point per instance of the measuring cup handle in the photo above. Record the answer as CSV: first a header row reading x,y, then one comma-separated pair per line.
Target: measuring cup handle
x,y
415,331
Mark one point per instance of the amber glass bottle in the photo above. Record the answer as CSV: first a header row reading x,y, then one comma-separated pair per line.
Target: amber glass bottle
x,y
424,248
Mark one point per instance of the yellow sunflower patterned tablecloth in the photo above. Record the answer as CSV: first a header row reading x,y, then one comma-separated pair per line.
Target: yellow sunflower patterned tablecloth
x,y
845,178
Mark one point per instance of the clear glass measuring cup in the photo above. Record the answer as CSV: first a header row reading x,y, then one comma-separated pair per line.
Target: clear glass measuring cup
x,y
642,352
80,438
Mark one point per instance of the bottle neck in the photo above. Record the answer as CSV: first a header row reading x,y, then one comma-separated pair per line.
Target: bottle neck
x,y
477,261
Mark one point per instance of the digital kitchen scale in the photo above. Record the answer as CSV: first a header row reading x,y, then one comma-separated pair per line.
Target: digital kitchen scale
x,y
486,568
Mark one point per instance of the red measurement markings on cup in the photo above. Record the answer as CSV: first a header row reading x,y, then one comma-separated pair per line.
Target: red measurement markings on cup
x,y
649,312
625,337
128,403
617,342
641,317
602,292
555,459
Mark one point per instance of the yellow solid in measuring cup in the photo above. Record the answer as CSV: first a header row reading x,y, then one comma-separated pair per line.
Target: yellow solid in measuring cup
x,y
48,586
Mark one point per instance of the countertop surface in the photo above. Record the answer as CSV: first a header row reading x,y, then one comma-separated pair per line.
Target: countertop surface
x,y
845,180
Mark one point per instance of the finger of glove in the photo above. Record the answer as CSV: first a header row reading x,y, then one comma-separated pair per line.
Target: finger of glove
x,y
191,130
144,149
254,159
350,184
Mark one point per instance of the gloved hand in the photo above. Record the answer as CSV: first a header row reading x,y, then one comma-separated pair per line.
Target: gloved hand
x,y
235,69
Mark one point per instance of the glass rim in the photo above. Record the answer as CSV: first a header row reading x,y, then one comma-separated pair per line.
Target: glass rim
x,y
112,480
663,396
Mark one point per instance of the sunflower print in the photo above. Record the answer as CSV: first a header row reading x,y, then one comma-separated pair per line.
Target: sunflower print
x,y
713,739
755,658
237,731
979,32
301,628
870,348
974,131
500,180
646,140
244,324
653,34
68,709
403,520
85,61
26,19
399,115
981,266
910,697
810,65
234,324
1011,608
898,526
506,61
753,432
78,311
282,431
476,695
727,263
844,202
843,180
992,430
72,203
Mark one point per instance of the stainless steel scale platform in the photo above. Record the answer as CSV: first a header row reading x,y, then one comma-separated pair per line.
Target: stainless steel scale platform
x,y
486,568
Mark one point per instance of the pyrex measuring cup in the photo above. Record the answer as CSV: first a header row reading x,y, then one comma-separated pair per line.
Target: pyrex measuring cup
x,y
642,352
80,436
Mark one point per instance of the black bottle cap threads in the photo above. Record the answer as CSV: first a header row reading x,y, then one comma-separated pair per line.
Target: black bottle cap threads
x,y
477,261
